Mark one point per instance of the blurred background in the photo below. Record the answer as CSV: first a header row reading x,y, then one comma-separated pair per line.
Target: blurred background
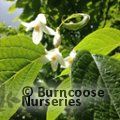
x,y
103,13
5,16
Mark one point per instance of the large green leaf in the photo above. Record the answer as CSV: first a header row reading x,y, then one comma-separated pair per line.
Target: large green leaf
x,y
105,109
110,73
87,70
102,41
54,111
116,56
20,62
84,75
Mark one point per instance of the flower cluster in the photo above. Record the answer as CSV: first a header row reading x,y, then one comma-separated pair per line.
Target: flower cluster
x,y
54,55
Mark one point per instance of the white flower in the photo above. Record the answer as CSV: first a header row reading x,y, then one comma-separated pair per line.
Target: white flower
x,y
55,57
69,60
57,39
39,25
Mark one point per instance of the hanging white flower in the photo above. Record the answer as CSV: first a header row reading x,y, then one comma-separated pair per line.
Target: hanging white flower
x,y
57,38
69,60
55,57
39,25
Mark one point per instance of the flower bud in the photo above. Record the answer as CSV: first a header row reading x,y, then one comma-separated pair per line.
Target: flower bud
x,y
57,39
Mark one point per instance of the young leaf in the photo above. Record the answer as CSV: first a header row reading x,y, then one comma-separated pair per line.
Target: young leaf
x,y
20,62
102,41
71,25
64,72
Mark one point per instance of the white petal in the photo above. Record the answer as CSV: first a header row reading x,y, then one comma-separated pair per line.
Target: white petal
x,y
25,24
67,58
56,50
41,18
47,30
59,56
67,64
54,65
61,60
73,54
54,62
28,26
57,39
51,54
37,36
48,56
45,59
33,23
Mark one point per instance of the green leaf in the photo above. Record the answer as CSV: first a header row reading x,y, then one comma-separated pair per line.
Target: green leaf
x,y
10,104
102,41
54,111
64,72
20,62
84,75
78,24
12,8
116,56
104,109
15,100
87,69
109,70
84,68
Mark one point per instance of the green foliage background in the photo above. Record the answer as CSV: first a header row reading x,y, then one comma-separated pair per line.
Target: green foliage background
x,y
103,13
